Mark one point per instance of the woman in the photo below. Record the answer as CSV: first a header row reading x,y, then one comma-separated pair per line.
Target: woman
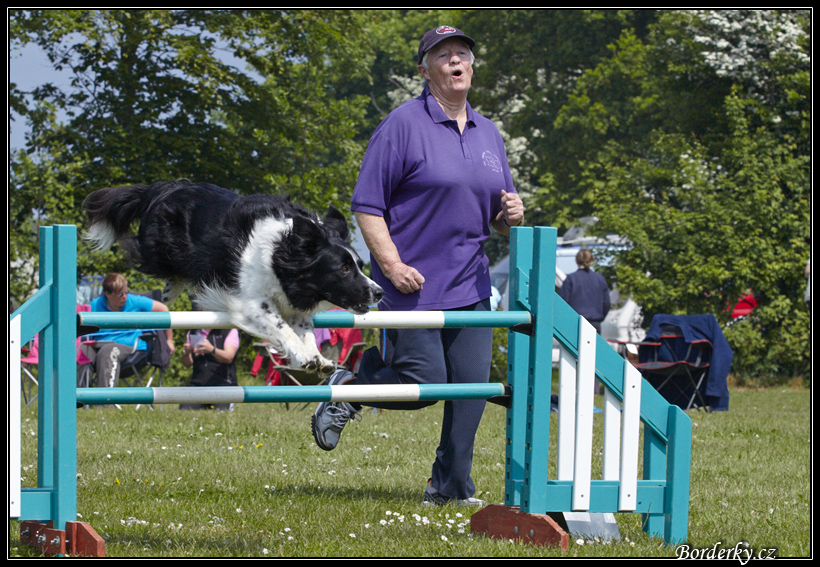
x,y
211,353
110,348
433,182
586,291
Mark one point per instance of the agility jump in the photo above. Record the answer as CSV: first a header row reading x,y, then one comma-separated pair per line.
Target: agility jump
x,y
537,317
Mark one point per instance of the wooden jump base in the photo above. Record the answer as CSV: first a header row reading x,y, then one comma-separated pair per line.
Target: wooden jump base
x,y
532,501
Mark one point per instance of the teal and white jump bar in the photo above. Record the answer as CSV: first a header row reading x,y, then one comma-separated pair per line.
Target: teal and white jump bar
x,y
266,394
327,319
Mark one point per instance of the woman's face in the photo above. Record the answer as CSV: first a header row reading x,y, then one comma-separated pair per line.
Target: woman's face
x,y
116,299
449,71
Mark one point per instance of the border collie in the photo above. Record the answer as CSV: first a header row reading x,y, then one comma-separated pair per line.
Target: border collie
x,y
268,262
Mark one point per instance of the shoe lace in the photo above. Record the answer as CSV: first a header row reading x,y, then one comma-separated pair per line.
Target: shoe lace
x,y
341,413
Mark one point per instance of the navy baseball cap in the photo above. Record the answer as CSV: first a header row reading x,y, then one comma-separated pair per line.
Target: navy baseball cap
x,y
439,34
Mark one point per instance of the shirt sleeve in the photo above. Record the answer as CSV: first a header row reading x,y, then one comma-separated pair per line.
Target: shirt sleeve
x,y
509,186
380,174
140,302
566,289
232,338
607,300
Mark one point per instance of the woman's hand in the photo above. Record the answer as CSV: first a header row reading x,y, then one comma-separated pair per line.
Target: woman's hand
x,y
512,208
405,278
204,347
511,214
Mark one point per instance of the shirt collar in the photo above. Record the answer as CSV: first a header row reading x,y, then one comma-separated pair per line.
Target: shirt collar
x,y
437,113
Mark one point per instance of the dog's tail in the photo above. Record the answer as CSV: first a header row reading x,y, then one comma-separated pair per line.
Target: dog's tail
x,y
112,210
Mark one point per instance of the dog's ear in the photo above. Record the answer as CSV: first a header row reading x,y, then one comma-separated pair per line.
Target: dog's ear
x,y
307,230
336,221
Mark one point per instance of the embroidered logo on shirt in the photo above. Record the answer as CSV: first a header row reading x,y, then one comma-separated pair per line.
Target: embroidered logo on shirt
x,y
491,161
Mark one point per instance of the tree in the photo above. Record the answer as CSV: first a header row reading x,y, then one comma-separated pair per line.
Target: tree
x,y
700,161
529,62
687,131
246,99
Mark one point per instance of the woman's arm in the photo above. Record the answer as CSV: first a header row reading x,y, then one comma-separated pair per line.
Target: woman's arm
x,y
377,237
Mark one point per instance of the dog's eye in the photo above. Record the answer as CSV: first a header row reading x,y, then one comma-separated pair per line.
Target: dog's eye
x,y
345,270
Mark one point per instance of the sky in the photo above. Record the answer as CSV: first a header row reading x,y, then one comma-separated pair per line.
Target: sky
x,y
28,67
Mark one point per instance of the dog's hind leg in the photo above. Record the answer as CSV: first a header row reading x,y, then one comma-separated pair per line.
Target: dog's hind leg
x,y
172,290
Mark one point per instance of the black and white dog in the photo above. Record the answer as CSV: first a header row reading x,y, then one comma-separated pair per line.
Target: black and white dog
x,y
268,262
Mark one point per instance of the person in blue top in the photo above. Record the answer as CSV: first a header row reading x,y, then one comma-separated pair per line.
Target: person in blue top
x,y
433,184
110,348
586,291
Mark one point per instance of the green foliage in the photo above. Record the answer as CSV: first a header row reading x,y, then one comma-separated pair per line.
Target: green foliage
x,y
529,62
38,195
247,99
498,367
692,145
686,131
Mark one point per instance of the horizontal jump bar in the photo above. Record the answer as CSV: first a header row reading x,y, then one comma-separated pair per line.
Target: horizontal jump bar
x,y
327,319
266,394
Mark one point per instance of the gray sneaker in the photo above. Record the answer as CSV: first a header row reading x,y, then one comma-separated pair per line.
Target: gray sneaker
x,y
330,417
433,497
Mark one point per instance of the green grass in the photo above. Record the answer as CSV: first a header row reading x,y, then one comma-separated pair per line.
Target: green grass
x,y
252,483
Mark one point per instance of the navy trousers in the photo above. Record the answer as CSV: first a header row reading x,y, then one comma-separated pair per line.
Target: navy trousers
x,y
438,356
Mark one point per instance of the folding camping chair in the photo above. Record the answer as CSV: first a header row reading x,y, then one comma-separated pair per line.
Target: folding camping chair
x,y
142,366
301,376
28,361
139,369
85,371
352,348
344,346
675,366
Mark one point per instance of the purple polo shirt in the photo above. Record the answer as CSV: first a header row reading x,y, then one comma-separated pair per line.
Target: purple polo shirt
x,y
437,189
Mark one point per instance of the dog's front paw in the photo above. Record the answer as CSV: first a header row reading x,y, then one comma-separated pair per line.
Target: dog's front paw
x,y
317,363
327,369
323,366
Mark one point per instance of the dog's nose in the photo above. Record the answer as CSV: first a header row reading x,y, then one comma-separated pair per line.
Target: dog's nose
x,y
378,293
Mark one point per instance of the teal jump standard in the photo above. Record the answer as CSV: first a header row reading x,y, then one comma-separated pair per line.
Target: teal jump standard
x,y
538,318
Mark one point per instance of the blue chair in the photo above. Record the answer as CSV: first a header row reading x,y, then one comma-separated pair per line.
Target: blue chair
x,y
687,360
